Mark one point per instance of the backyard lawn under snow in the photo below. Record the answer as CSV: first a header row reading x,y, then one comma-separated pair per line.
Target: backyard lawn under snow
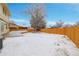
x,y
38,44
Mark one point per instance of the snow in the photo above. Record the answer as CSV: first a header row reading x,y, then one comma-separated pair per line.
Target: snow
x,y
38,44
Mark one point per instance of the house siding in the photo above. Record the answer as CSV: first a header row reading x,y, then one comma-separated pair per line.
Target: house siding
x,y
4,21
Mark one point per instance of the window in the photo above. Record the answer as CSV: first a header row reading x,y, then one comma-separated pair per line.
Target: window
x,y
4,12
2,27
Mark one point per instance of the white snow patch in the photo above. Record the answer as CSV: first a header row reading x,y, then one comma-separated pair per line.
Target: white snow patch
x,y
39,44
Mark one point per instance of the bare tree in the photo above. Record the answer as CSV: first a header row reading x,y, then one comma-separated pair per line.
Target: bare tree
x,y
58,24
76,24
67,25
37,16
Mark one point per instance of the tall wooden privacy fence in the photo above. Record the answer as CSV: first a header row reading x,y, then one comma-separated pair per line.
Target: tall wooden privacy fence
x,y
72,33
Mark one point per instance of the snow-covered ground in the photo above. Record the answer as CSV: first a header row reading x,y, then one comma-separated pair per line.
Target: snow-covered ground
x,y
38,44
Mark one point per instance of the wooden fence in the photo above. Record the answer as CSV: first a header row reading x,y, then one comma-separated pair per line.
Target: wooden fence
x,y
17,28
72,33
